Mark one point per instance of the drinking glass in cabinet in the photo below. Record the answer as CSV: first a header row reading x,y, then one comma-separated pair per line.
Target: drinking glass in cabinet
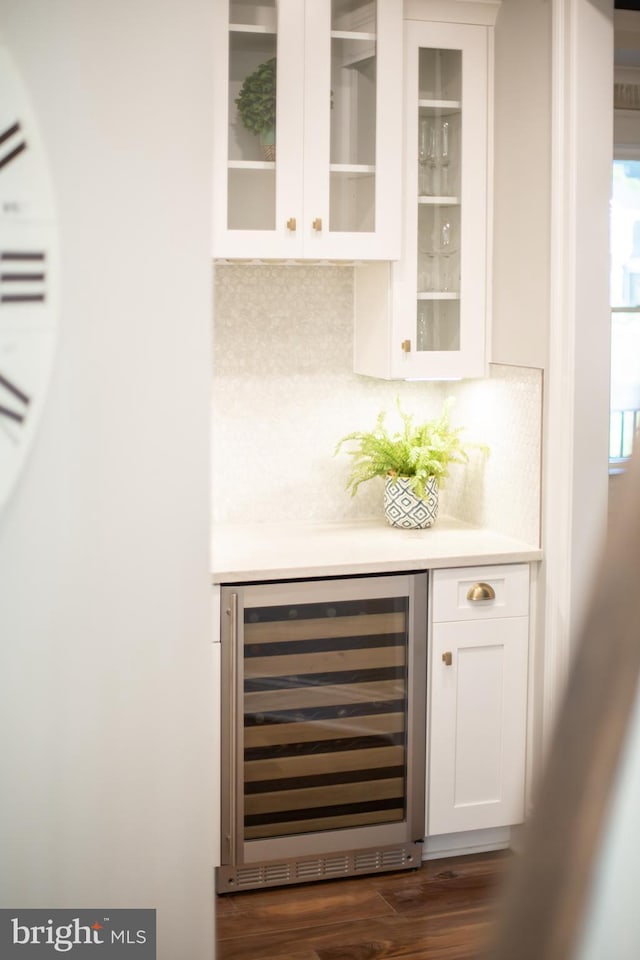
x,y
440,78
444,156
427,156
428,259
438,249
446,252
434,156
438,325
423,328
427,271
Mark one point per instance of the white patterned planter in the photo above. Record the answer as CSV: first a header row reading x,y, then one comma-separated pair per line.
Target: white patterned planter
x,y
403,508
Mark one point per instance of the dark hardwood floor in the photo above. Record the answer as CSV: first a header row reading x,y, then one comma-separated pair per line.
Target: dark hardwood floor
x,y
443,911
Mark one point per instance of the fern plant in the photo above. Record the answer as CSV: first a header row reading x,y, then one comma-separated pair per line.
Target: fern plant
x,y
417,451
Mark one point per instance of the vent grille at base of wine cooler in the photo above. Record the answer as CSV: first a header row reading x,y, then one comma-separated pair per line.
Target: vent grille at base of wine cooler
x,y
405,856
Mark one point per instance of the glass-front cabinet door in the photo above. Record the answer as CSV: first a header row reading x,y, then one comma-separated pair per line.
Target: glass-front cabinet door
x,y
308,101
434,321
446,200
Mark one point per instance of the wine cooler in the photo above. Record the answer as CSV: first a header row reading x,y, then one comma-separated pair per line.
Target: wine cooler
x,y
323,725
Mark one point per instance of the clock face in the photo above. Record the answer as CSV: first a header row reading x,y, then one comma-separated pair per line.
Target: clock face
x,y
28,272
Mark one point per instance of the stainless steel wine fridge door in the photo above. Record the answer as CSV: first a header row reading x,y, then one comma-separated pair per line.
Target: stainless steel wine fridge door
x,y
323,752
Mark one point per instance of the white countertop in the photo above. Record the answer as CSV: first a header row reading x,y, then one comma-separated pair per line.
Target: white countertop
x,y
266,551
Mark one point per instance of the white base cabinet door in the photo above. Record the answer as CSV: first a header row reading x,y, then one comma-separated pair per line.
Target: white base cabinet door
x,y
478,702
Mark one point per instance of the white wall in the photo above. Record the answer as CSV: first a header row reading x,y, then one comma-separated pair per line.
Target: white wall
x,y
105,655
577,425
522,183
554,71
591,155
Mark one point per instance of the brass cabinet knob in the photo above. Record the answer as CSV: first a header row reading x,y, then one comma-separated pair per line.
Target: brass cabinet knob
x,y
406,346
481,591
291,223
447,658
317,224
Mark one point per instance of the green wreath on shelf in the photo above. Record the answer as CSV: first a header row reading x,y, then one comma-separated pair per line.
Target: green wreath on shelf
x,y
256,103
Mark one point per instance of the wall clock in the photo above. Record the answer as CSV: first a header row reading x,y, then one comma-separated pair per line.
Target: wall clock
x,y
28,271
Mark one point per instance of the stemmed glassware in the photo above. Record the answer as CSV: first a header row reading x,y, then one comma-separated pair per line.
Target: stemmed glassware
x,y
437,257
439,239
428,279
427,155
434,142
444,157
446,251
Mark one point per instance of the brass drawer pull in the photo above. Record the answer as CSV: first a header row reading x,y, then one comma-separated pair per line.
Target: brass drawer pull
x,y
406,346
317,224
447,658
481,591
291,224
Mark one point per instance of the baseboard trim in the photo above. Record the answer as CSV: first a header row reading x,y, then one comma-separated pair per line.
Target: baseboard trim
x,y
472,841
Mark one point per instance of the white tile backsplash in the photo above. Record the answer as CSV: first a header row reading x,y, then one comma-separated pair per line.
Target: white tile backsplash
x,y
501,491
285,392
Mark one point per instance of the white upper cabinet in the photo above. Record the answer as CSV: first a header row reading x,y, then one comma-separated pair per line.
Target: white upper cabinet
x,y
322,180
432,323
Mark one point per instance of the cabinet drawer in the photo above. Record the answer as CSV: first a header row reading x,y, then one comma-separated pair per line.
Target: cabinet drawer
x,y
506,588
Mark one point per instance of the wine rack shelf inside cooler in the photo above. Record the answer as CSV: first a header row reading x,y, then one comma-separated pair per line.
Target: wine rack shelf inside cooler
x,y
325,703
